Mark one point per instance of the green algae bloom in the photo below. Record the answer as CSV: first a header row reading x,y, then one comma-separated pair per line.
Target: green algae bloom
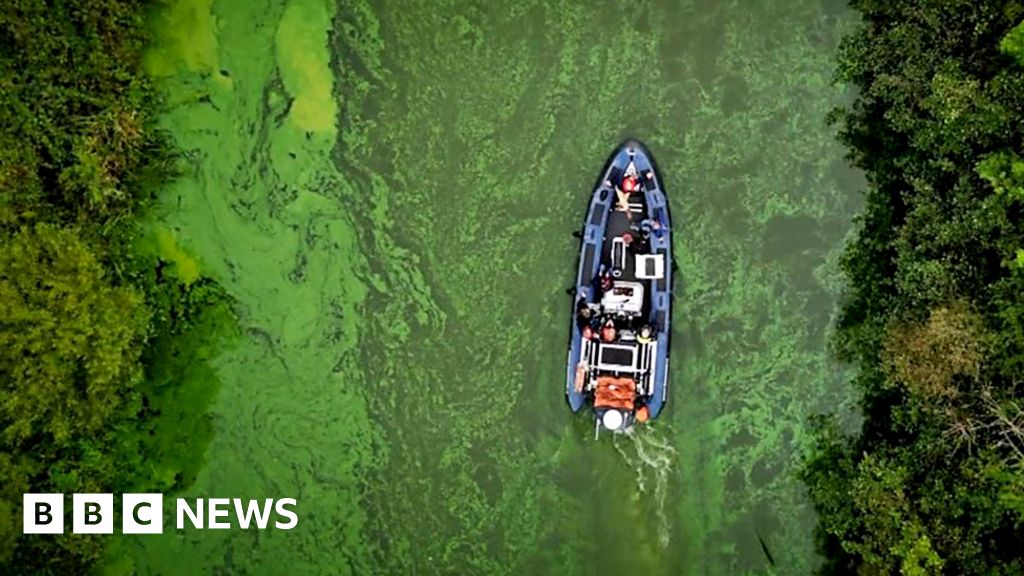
x,y
387,190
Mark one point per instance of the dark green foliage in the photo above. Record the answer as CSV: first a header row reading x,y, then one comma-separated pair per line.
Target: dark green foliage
x,y
933,317
74,127
104,380
69,350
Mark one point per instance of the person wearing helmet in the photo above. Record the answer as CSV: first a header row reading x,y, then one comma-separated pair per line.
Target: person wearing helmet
x,y
605,280
583,313
630,185
608,331
645,336
651,227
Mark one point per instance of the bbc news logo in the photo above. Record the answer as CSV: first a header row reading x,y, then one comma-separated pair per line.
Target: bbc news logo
x,y
144,513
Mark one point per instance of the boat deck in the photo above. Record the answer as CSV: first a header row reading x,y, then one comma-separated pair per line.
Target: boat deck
x,y
618,224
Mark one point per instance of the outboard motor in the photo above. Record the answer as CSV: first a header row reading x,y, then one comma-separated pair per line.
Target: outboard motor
x,y
613,419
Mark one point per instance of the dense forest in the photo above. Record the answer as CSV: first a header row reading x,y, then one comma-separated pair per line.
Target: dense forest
x,y
91,328
934,315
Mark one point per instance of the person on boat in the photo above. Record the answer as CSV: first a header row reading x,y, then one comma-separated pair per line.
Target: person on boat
x,y
645,336
642,414
635,243
584,313
651,227
640,244
606,280
622,203
608,331
598,283
630,185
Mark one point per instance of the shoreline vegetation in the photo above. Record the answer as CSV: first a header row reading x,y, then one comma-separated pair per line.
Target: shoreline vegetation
x,y
107,328
933,318
104,340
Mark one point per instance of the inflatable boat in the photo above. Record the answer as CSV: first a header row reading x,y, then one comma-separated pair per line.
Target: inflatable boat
x,y
618,360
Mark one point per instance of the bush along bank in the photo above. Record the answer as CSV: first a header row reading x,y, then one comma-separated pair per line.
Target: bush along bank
x,y
104,347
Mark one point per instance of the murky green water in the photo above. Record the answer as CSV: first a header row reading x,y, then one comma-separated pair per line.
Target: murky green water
x,y
388,189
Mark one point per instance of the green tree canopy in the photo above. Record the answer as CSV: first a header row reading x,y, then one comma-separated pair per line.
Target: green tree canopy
x,y
69,361
103,384
69,341
933,317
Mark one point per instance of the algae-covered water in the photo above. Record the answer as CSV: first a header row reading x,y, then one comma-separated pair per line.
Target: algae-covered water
x,y
388,190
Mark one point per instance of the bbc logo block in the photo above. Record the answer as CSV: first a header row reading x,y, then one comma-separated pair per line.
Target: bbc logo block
x,y
93,514
44,514
144,513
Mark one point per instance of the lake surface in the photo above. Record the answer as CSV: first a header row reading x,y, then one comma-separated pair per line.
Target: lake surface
x,y
388,190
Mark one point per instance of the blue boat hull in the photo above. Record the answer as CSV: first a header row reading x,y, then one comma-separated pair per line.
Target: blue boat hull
x,y
592,246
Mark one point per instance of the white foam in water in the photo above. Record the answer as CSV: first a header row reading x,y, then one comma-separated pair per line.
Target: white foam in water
x,y
652,457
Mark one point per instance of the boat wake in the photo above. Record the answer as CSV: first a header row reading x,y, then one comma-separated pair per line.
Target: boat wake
x,y
649,453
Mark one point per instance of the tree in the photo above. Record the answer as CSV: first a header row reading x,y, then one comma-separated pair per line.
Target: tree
x,y
932,318
94,341
69,362
929,357
69,341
